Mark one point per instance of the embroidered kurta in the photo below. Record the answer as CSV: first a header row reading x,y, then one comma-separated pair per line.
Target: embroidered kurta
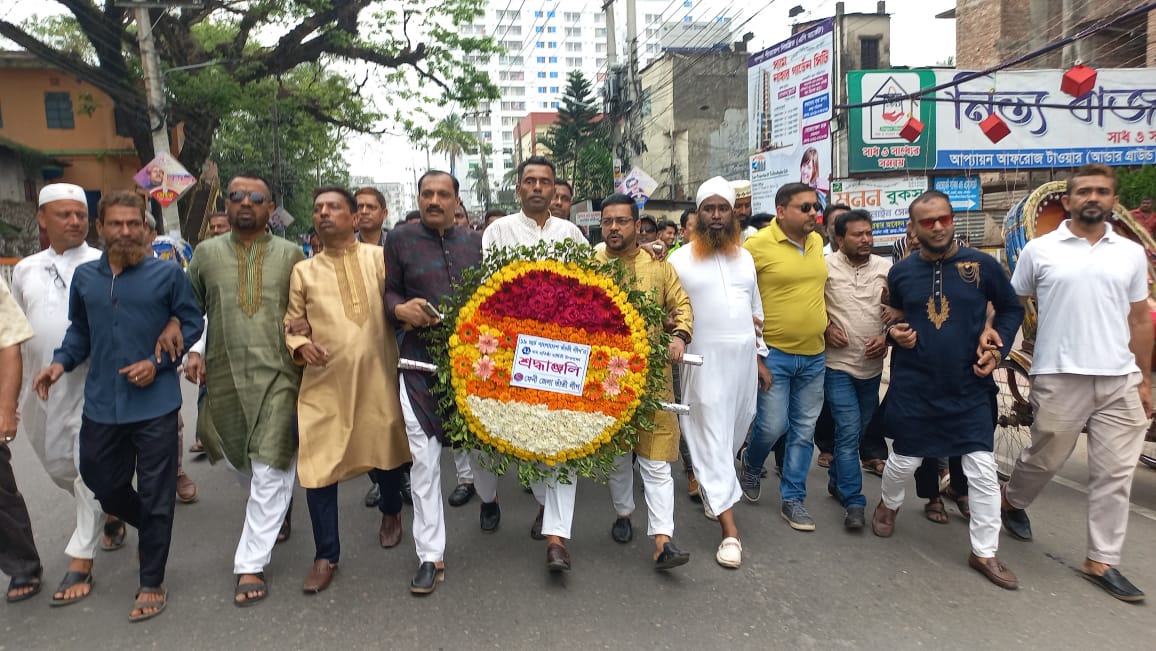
x,y
251,381
421,263
348,411
40,285
650,275
936,405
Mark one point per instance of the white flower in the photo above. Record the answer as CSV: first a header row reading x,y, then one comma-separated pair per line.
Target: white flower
x,y
537,428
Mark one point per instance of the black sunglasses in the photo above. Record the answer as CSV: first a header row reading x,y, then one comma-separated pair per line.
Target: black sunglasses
x,y
808,207
237,196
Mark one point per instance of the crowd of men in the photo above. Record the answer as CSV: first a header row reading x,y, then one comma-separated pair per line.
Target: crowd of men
x,y
298,360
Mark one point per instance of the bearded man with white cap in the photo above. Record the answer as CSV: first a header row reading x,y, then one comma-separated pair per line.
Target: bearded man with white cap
x,y
719,277
40,286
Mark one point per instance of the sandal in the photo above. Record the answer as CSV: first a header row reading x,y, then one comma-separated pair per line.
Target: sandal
x,y
961,502
935,512
141,604
243,589
26,581
70,580
825,459
114,531
875,466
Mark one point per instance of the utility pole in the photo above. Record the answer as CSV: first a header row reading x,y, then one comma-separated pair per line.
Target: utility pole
x,y
483,173
155,91
634,84
612,90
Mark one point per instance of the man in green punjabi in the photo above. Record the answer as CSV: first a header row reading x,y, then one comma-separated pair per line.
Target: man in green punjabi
x,y
242,282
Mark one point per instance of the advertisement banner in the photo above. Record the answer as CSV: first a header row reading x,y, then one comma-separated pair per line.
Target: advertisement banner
x,y
638,185
165,179
886,199
1114,124
789,91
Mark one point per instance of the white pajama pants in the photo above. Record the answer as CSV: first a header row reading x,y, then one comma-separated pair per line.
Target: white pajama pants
x,y
462,465
270,491
89,522
657,488
485,482
429,522
982,489
558,501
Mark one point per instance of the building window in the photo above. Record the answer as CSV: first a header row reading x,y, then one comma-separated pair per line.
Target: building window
x,y
537,14
541,59
868,53
553,89
551,29
540,44
541,89
553,75
552,45
553,59
58,109
599,32
553,104
538,29
574,32
573,16
541,75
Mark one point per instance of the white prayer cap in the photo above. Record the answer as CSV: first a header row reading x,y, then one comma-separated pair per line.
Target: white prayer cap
x,y
742,188
716,186
59,191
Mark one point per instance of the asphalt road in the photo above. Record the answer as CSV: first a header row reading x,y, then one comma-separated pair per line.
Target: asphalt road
x,y
822,590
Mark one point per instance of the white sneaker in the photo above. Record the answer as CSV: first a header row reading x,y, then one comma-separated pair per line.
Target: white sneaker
x,y
730,553
707,511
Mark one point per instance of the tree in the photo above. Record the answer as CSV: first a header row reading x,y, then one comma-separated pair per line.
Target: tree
x,y
579,142
450,137
413,49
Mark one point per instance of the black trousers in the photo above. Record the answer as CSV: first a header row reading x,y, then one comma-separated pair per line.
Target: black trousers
x,y
871,446
927,477
18,556
109,457
323,510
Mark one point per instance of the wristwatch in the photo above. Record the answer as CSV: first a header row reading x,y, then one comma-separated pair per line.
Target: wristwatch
x,y
683,336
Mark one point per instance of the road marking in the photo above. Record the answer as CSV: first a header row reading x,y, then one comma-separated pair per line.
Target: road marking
x,y
1141,511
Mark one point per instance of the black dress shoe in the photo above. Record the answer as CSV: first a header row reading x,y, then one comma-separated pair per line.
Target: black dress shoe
x,y
491,516
557,558
406,491
427,578
462,494
1116,585
855,518
1016,522
536,528
622,531
671,557
372,497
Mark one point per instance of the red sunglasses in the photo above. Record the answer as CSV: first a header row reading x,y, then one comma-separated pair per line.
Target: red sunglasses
x,y
930,222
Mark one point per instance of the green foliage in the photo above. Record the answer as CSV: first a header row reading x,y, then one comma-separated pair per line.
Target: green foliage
x,y
579,143
1136,184
450,137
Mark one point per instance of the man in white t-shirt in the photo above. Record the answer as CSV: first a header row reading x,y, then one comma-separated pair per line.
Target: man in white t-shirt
x,y
1091,365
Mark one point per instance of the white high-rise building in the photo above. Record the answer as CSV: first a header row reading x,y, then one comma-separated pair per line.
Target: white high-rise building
x,y
545,40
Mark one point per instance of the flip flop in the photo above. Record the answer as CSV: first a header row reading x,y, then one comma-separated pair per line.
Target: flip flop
x,y
72,579
28,580
244,588
115,531
140,604
875,466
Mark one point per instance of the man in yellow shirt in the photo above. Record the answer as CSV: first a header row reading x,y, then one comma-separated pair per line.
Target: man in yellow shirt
x,y
792,273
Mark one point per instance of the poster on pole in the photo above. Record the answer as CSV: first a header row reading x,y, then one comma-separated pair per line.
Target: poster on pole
x,y
164,179
638,185
790,86
887,199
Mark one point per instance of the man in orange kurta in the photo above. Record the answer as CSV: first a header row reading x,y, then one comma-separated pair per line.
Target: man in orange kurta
x,y
348,410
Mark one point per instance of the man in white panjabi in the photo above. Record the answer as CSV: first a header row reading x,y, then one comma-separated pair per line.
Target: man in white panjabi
x,y
719,276
40,285
530,225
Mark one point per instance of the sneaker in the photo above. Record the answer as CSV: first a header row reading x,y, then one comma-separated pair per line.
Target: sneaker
x,y
707,511
796,515
730,553
750,482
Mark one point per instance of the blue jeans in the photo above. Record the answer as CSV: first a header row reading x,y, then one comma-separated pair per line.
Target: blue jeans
x,y
791,407
852,402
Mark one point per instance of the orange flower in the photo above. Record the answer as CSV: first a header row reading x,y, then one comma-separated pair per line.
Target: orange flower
x,y
462,366
599,359
637,363
468,332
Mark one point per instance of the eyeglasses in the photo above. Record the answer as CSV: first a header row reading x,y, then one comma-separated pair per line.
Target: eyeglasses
x,y
930,222
809,207
647,231
607,222
237,196
56,279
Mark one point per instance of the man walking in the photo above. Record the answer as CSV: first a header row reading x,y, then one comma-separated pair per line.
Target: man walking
x,y
719,277
941,401
118,306
241,279
792,271
1091,366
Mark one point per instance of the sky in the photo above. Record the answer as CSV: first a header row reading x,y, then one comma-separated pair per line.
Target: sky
x,y
917,39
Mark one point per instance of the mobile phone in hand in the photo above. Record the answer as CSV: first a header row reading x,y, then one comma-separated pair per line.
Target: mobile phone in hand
x,y
431,311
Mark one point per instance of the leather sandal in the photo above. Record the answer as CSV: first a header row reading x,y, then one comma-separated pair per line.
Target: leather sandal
x,y
70,580
141,604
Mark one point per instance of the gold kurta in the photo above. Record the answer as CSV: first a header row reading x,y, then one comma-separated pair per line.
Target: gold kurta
x,y
348,411
660,444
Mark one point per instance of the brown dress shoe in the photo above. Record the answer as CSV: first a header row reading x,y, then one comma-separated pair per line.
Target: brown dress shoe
x,y
557,558
319,577
883,521
995,571
390,532
186,489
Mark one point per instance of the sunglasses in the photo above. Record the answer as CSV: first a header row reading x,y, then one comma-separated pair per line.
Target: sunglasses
x,y
930,222
237,196
809,207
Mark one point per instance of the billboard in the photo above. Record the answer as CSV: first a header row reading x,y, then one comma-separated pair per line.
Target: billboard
x,y
789,96
1114,124
887,199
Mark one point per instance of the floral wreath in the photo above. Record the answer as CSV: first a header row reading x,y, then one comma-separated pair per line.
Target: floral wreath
x,y
549,360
